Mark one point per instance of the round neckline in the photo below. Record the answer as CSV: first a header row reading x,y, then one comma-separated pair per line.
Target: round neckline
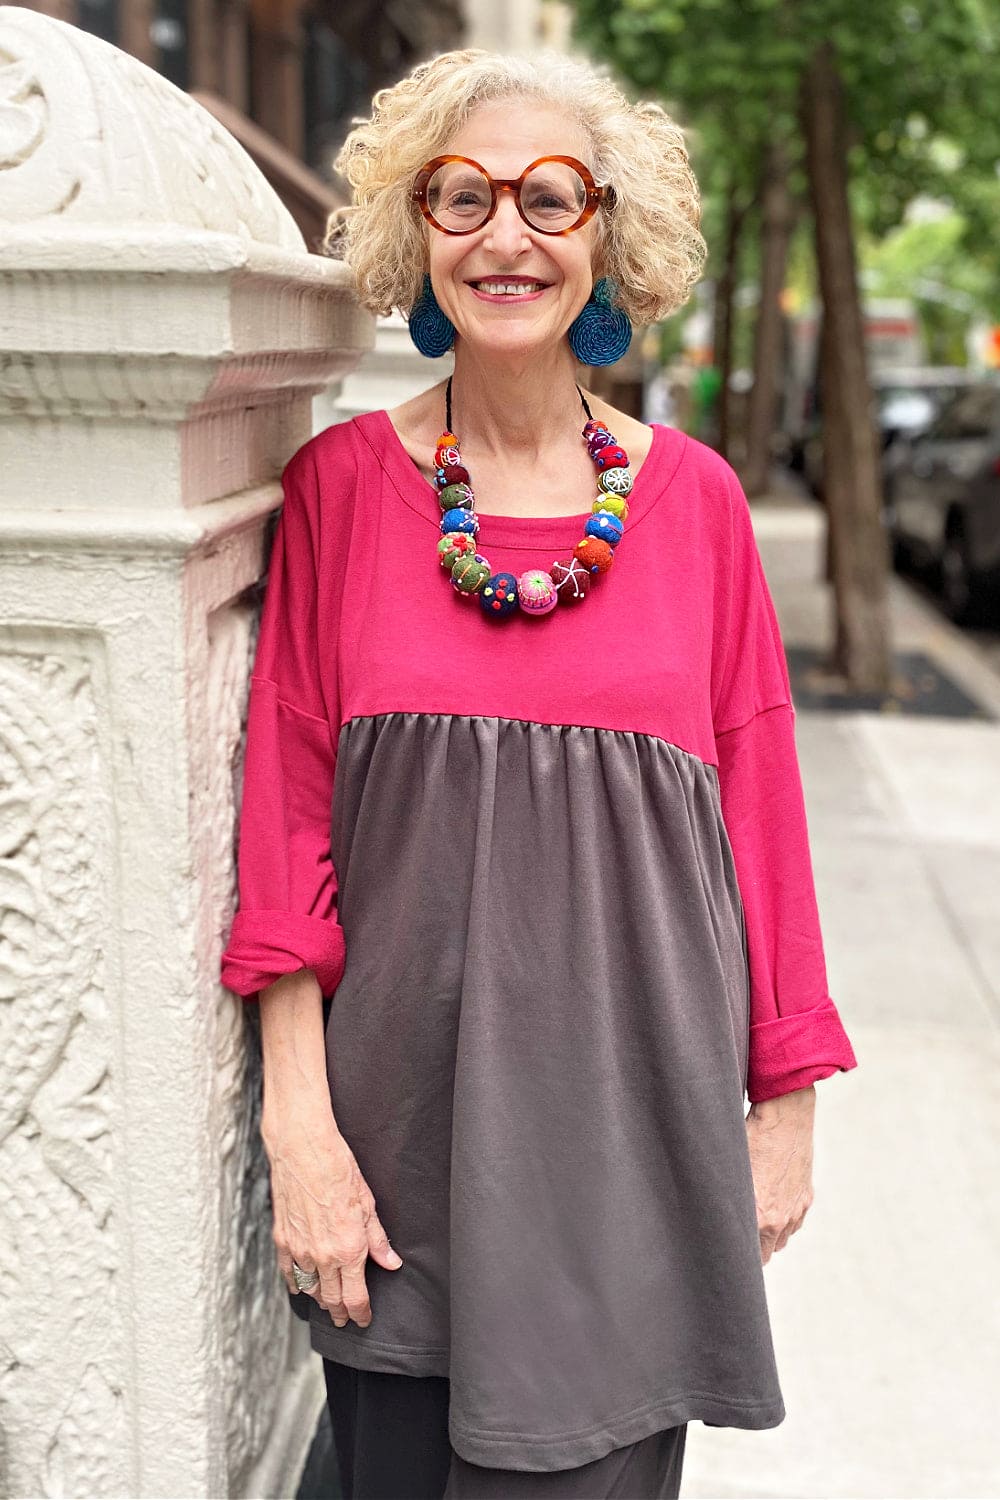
x,y
499,530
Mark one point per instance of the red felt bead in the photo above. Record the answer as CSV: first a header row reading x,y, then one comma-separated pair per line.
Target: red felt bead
x,y
612,457
597,556
455,474
571,578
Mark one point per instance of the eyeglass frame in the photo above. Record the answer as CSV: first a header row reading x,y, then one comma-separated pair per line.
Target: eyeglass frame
x,y
596,195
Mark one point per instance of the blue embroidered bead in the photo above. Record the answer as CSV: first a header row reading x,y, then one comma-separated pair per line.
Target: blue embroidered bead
x,y
498,596
608,527
460,520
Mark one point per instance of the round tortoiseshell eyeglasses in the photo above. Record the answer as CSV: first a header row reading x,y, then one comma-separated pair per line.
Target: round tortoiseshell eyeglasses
x,y
555,194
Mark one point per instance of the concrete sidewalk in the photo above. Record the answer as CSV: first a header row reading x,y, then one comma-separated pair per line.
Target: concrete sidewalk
x,y
886,1305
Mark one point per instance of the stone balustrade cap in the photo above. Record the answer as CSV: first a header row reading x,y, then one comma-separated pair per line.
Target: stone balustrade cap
x,y
97,148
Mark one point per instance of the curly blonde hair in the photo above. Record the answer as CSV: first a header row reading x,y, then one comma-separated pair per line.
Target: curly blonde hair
x,y
649,242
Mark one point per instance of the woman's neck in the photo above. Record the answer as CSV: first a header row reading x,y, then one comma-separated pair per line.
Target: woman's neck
x,y
514,404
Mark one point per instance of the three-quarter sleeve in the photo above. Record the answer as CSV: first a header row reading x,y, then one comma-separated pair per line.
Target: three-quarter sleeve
x,y
796,1035
287,913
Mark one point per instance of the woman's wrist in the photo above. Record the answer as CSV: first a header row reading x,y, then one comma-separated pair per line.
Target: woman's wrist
x,y
798,1103
288,1119
293,1046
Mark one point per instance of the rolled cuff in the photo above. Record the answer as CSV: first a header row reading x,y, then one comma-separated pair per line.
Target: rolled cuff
x,y
264,945
792,1051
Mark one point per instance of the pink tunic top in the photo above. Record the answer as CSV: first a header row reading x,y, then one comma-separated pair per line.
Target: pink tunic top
x,y
680,641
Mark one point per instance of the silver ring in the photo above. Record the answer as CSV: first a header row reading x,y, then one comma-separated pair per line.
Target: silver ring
x,y
304,1280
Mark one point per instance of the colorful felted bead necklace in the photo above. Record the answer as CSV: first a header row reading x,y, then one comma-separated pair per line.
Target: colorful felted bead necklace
x,y
538,590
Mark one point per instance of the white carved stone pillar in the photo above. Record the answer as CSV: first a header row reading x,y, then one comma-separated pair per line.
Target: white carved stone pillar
x,y
389,374
162,335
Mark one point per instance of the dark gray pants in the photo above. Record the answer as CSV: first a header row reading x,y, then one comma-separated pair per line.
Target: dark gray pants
x,y
391,1437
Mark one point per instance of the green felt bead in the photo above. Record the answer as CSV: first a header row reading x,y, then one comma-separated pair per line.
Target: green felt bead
x,y
455,494
616,504
470,573
453,545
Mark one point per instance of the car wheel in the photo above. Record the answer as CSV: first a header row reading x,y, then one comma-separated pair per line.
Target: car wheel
x,y
960,593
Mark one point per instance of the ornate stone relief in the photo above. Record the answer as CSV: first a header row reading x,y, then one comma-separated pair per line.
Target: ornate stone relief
x,y
23,111
92,136
59,1283
255,1319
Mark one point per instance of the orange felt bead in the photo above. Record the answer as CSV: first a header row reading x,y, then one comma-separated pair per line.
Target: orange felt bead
x,y
595,554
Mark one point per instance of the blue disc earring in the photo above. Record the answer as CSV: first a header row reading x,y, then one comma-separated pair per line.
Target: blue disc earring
x,y
600,333
430,330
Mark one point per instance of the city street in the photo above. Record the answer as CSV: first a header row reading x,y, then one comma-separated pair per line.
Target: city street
x,y
885,1306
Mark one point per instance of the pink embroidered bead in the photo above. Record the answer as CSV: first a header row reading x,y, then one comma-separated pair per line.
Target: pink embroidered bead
x,y
536,592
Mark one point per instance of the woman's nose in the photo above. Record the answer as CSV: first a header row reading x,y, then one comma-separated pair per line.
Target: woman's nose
x,y
507,231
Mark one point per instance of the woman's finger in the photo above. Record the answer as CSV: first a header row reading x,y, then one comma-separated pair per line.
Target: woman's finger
x,y
355,1292
768,1238
330,1294
285,1266
378,1245
305,1263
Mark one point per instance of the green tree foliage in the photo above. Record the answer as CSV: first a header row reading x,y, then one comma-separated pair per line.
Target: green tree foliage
x,y
922,83
898,94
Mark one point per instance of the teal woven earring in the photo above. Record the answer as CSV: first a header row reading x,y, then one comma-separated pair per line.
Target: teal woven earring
x,y
601,333
430,330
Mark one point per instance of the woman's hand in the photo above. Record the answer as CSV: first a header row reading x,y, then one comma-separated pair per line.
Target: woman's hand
x,y
780,1138
324,1214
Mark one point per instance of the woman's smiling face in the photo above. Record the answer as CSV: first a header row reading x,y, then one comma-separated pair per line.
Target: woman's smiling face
x,y
506,137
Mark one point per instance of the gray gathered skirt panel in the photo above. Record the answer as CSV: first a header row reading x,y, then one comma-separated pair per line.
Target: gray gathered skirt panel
x,y
538,1054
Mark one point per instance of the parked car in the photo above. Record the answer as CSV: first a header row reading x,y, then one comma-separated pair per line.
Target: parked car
x,y
907,400
942,490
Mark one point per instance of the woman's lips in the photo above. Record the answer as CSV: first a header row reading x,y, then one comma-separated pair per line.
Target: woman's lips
x,y
517,297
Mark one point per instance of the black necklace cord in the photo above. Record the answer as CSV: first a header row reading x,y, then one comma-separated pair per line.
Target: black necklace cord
x,y
447,400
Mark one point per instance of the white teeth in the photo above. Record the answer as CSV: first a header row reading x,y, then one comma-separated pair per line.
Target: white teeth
x,y
508,289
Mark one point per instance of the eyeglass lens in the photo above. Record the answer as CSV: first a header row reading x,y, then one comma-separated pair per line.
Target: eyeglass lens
x,y
553,196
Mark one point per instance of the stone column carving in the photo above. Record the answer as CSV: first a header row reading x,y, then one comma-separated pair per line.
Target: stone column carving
x,y
164,334
393,372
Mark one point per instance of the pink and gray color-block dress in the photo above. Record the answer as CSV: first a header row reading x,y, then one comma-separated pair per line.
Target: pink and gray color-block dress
x,y
554,874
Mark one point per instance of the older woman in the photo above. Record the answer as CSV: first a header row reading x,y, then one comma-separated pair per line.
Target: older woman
x,y
522,801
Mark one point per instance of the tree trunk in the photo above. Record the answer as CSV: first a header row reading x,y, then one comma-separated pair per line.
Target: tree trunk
x,y
725,290
777,215
852,475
